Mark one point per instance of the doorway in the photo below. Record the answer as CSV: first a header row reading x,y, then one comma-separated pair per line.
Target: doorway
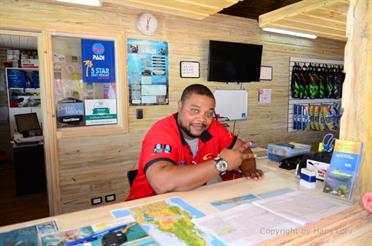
x,y
22,167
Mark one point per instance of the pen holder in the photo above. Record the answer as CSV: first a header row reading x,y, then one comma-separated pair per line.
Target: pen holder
x,y
308,178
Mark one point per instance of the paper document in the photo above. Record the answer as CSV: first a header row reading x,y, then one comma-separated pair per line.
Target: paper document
x,y
302,207
279,212
245,225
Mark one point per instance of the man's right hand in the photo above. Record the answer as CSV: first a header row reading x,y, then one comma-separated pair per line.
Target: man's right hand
x,y
235,157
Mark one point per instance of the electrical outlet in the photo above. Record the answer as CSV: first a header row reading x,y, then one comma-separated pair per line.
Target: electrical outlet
x,y
110,198
139,113
96,200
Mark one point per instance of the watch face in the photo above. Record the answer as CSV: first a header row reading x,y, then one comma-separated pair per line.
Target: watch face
x,y
147,24
221,165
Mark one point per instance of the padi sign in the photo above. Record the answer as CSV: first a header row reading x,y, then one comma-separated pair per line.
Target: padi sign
x,y
98,61
98,49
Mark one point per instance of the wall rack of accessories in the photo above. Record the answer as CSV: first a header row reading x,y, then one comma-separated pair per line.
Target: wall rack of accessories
x,y
315,87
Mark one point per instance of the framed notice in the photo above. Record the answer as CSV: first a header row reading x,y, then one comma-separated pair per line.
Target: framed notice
x,y
266,73
189,69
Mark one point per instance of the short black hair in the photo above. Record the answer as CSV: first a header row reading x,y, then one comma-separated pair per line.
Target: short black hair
x,y
198,89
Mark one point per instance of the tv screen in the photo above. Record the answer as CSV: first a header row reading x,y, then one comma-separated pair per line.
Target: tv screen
x,y
234,62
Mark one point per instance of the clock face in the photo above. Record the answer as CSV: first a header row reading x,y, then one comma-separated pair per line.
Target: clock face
x,y
147,24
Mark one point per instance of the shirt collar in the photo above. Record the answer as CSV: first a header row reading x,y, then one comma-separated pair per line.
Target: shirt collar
x,y
205,136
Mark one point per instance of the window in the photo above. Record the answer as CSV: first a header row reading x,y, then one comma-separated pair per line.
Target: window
x,y
85,81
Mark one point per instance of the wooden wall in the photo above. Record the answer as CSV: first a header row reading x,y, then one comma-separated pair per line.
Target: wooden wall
x,y
357,118
92,166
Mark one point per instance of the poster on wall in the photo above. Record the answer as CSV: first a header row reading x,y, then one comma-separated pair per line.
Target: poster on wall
x,y
147,72
98,61
100,112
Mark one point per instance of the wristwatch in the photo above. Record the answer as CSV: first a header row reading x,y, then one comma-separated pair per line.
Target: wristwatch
x,y
221,165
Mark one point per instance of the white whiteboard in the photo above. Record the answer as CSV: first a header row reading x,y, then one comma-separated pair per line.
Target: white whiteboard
x,y
232,104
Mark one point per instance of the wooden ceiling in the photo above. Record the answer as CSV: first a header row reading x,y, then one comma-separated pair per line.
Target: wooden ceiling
x,y
324,18
195,9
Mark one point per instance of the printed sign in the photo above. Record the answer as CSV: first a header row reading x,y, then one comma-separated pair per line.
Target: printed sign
x,y
100,112
98,61
147,72
70,112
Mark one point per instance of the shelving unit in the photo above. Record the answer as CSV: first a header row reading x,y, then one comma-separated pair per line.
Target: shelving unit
x,y
22,100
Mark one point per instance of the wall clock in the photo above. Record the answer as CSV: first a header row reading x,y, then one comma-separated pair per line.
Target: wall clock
x,y
147,24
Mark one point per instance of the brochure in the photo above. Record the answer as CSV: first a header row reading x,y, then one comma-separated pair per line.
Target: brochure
x,y
27,235
343,170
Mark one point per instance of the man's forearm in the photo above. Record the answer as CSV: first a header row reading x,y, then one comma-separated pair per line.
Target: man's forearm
x,y
167,177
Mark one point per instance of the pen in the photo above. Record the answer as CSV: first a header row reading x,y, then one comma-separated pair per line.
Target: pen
x,y
95,235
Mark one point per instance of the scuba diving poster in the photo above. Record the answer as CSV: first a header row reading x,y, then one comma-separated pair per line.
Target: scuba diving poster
x,y
147,72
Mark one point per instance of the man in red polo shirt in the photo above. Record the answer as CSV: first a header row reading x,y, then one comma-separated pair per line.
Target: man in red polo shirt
x,y
190,148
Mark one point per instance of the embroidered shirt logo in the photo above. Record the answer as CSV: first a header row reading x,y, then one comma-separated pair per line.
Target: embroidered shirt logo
x,y
167,148
158,148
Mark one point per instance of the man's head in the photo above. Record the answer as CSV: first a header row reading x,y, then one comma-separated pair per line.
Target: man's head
x,y
195,110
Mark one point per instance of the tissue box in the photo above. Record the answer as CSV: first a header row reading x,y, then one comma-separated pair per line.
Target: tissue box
x,y
276,152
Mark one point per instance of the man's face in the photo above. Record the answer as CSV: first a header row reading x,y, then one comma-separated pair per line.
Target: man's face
x,y
195,115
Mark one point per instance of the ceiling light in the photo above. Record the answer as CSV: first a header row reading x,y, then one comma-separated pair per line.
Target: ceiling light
x,y
84,2
298,34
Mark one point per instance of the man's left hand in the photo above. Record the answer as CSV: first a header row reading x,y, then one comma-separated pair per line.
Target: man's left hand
x,y
253,174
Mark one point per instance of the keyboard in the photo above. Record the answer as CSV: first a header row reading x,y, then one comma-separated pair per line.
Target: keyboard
x,y
33,139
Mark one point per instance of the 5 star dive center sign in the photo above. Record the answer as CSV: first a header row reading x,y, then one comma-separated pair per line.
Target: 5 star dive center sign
x,y
98,61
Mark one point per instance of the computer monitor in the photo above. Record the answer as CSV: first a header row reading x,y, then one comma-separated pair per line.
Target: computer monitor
x,y
27,124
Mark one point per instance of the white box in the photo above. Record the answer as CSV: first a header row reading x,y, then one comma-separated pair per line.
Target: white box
x,y
29,63
320,167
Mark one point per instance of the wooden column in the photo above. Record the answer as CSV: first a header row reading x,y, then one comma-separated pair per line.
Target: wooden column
x,y
356,122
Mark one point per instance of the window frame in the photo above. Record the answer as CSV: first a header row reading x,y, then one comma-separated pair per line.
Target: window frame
x,y
121,89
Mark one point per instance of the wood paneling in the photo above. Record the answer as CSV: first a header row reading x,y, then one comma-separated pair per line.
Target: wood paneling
x,y
92,166
324,18
357,90
195,9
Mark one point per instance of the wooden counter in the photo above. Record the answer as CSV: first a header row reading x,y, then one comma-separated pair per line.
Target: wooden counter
x,y
352,226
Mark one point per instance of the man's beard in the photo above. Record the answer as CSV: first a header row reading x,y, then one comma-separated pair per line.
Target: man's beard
x,y
187,131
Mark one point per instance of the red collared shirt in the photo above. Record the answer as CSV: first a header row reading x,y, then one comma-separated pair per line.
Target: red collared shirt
x,y
164,141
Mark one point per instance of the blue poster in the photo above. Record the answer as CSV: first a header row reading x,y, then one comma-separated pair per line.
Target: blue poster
x,y
147,71
98,61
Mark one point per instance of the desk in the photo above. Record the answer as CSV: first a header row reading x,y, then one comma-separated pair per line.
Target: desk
x,y
29,168
355,220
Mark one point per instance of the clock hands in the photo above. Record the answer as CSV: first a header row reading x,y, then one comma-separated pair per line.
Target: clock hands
x,y
148,23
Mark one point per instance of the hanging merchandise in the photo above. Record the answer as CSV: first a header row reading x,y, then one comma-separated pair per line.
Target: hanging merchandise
x,y
316,81
329,82
296,81
320,71
339,77
304,85
313,81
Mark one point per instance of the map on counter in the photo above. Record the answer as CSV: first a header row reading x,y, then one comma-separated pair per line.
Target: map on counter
x,y
233,202
248,198
170,222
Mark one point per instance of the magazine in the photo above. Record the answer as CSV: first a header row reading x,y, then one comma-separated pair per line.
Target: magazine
x,y
343,170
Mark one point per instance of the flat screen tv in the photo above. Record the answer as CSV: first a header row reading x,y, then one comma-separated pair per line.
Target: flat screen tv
x,y
234,62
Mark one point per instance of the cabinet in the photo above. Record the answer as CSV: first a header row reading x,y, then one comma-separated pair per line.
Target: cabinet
x,y
23,93
29,168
